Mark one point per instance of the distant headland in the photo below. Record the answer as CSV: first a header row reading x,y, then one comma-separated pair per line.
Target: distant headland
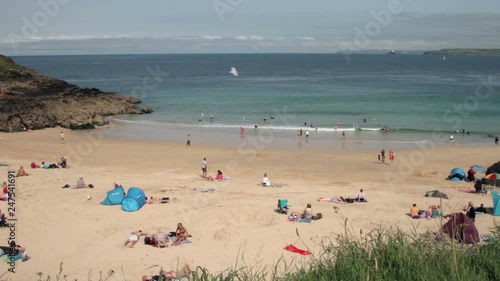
x,y
468,52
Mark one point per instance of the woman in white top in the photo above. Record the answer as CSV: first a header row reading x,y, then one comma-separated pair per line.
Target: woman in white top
x,y
361,196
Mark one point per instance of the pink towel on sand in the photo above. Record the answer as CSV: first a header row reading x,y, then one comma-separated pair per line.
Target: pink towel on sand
x,y
294,249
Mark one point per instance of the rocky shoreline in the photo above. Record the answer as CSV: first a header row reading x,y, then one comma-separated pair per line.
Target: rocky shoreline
x,y
30,101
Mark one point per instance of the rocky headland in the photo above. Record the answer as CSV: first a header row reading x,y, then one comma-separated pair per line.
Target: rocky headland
x,y
30,101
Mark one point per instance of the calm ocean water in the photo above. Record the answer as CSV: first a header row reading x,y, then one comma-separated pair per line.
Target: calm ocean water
x,y
413,95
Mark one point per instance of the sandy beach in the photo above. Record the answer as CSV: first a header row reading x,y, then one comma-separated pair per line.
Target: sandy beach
x,y
233,226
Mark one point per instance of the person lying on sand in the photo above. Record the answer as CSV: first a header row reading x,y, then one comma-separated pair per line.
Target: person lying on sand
x,y
161,240
14,251
133,238
21,172
170,275
339,199
181,234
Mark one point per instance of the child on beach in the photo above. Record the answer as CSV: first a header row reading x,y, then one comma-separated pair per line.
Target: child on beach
x,y
133,238
62,137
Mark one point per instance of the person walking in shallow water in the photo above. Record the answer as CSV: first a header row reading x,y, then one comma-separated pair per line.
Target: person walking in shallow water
x,y
496,140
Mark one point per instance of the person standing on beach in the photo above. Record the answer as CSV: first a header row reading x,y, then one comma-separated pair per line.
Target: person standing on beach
x,y
496,140
382,155
204,167
391,155
188,142
452,139
62,137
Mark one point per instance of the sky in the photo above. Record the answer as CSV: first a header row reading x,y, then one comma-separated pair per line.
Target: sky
x,y
31,27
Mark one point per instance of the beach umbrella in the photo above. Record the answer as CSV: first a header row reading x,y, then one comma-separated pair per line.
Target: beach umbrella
x,y
478,168
493,176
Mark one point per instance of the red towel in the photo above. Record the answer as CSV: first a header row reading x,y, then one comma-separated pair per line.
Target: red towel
x,y
294,249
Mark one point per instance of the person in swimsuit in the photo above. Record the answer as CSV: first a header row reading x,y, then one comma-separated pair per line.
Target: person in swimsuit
x,y
133,238
181,234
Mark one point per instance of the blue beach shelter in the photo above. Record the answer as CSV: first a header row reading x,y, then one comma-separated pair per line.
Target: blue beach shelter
x,y
134,200
496,203
114,197
457,174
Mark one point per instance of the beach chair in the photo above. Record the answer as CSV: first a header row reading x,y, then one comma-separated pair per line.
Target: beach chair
x,y
282,206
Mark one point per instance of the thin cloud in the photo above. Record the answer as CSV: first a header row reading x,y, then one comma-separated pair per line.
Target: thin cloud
x,y
211,37
308,38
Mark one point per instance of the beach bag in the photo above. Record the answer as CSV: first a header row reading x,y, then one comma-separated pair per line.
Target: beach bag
x,y
318,216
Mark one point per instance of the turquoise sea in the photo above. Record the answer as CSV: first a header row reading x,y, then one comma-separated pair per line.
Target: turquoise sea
x,y
415,96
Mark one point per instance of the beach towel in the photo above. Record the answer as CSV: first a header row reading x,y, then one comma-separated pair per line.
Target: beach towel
x,y
208,190
467,190
1,165
187,241
294,249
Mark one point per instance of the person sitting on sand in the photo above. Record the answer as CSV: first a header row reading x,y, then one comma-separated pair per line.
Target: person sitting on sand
x,y
339,199
80,183
308,214
266,181
161,240
471,175
415,212
361,196
63,163
435,212
21,172
181,234
219,176
481,209
133,238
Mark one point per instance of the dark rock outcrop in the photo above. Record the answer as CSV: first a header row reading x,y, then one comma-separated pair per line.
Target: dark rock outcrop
x,y
32,101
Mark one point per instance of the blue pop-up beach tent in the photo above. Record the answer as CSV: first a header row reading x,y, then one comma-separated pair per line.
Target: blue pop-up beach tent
x,y
115,196
457,174
134,200
496,203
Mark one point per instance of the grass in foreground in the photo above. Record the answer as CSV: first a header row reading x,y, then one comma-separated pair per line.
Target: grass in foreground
x,y
383,254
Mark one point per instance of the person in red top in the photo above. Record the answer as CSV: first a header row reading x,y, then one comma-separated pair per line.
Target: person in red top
x,y
471,175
